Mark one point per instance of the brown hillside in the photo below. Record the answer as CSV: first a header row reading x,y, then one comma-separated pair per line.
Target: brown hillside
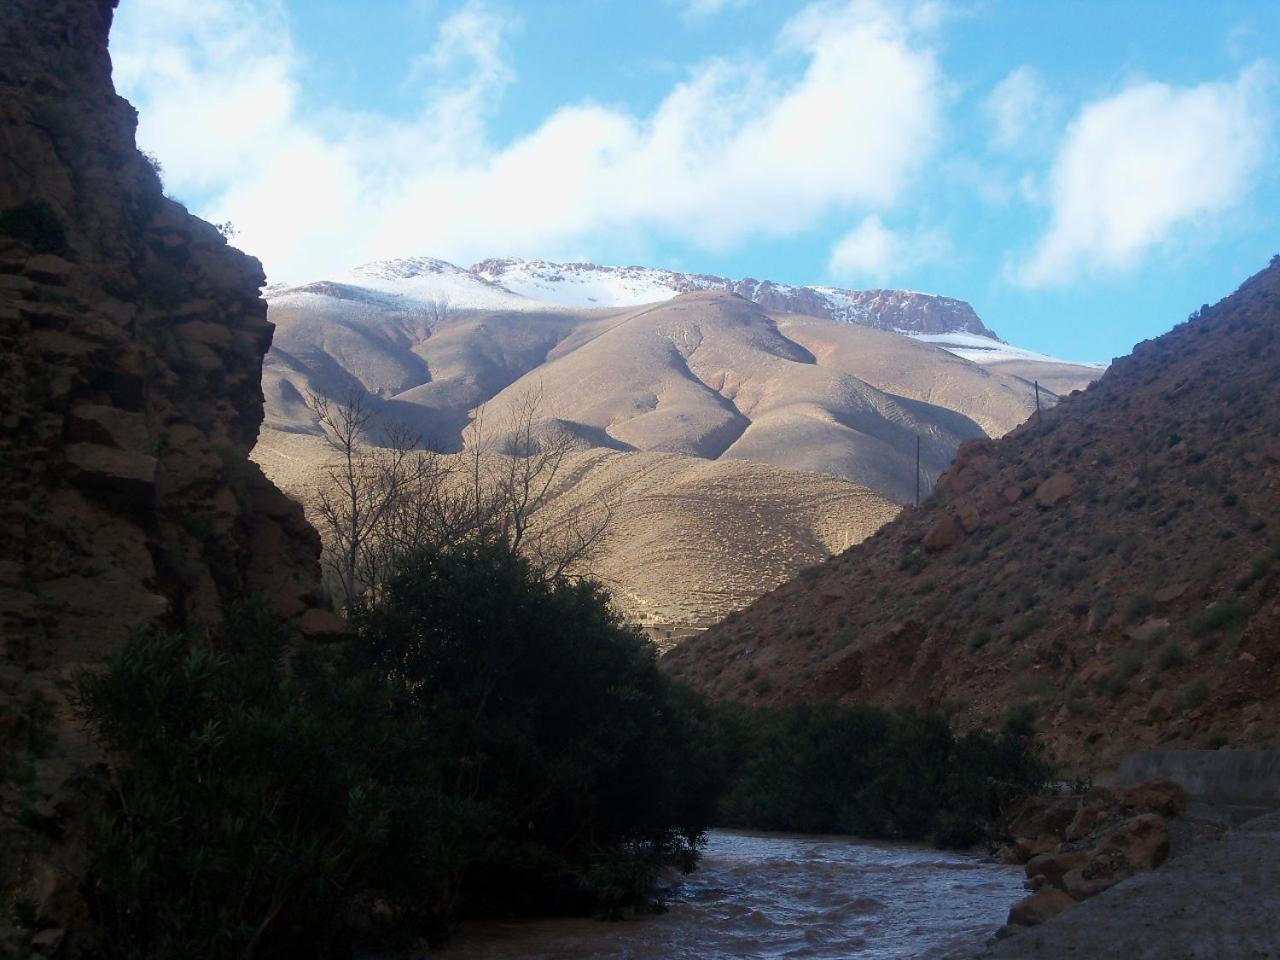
x,y
1115,567
691,539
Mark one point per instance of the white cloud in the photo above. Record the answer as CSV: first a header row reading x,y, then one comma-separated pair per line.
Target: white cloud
x,y
872,251
1136,167
735,150
1017,108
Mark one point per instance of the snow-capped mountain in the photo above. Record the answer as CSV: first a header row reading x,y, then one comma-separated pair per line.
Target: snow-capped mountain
x,y
514,284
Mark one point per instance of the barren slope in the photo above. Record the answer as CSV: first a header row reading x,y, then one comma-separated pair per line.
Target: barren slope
x,y
716,376
693,539
1114,567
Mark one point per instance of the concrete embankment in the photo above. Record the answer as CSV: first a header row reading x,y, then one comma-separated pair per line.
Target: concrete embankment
x,y
1233,784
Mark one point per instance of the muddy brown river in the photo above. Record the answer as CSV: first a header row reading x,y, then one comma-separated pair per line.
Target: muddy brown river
x,y
773,895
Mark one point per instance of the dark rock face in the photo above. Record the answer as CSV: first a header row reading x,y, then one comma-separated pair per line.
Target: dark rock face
x,y
133,339
131,346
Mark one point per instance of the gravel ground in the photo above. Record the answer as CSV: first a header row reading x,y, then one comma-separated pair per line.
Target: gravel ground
x,y
1218,900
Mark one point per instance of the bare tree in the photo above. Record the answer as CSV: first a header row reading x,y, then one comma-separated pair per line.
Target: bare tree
x,y
364,489
437,311
525,480
381,502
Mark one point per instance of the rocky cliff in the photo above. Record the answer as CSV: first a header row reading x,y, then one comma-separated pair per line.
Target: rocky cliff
x,y
131,346
1111,567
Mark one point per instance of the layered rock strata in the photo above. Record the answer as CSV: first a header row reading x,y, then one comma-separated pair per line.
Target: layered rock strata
x,y
131,346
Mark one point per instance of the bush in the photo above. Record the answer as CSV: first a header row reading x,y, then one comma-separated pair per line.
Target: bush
x,y
866,771
1219,616
550,718
1136,606
252,801
1195,695
1170,656
490,742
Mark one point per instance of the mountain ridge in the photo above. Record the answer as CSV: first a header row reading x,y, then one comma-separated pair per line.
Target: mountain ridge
x,y
514,284
1111,566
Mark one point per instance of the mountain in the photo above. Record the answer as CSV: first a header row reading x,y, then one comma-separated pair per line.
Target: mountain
x,y
704,376
514,284
708,374
1112,565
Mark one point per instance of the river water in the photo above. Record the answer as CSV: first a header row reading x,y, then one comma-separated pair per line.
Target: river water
x,y
776,895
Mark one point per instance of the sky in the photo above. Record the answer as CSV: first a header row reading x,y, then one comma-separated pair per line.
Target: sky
x,y
1085,173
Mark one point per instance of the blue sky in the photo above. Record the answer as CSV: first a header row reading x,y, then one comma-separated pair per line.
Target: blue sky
x,y
1084,173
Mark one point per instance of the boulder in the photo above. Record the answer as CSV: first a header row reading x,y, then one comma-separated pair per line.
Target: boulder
x,y
1057,488
1026,849
1055,865
1148,630
1161,707
1042,815
945,532
1155,796
1094,809
1042,905
968,515
1143,842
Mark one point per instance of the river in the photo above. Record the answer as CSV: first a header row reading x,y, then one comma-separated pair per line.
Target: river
x,y
776,895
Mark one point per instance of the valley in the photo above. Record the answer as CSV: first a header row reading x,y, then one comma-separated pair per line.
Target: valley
x,y
740,441
413,608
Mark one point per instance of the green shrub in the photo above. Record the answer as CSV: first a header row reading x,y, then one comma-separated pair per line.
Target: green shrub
x,y
860,770
1130,665
490,742
1219,616
549,717
1195,695
1260,567
913,562
1025,626
252,802
1170,656
1136,606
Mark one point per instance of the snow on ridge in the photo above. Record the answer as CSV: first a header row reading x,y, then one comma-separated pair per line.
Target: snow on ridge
x,y
983,350
516,284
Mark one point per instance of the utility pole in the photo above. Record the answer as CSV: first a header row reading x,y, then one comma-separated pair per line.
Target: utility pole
x,y
917,469
1039,423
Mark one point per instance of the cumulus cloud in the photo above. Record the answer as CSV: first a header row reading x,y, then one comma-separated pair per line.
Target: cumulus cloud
x,y
733,151
1017,108
1136,167
872,251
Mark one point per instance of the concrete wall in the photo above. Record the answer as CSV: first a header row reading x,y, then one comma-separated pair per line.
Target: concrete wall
x,y
1223,776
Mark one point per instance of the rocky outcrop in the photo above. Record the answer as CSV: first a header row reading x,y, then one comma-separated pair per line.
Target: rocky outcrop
x,y
1077,847
131,346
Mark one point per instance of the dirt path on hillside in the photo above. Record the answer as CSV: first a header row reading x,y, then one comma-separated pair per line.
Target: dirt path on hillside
x,y
1217,901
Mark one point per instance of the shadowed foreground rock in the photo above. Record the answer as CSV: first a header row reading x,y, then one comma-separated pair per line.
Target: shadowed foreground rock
x,y
131,345
1216,901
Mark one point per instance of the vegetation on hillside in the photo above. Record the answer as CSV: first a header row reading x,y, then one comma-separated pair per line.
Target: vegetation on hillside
x,y
492,741
872,772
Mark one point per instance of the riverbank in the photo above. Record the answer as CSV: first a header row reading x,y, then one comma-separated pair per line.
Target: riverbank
x,y
1216,898
781,895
